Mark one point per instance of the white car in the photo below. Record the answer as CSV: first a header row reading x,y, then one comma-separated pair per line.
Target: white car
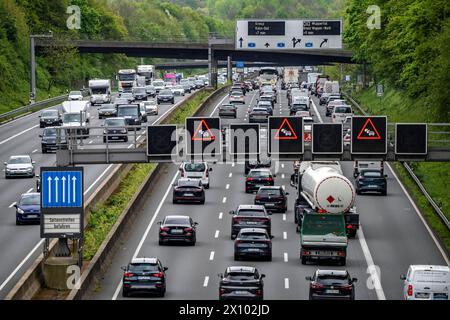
x,y
196,170
426,282
178,90
19,166
75,95
340,114
159,85
151,107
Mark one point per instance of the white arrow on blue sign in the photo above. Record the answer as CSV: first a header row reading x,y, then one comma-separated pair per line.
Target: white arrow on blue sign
x,y
62,189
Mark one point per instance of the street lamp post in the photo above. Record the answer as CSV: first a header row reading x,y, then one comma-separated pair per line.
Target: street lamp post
x,y
33,64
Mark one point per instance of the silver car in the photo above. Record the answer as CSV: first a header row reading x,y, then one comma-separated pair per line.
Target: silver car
x,y
19,166
151,107
75,95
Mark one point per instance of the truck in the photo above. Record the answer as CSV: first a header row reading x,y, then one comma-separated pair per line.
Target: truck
x,y
328,87
290,75
312,78
127,79
76,114
322,190
100,91
335,88
320,83
147,71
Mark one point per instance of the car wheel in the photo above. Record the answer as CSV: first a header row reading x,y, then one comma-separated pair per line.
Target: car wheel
x,y
202,201
160,242
342,262
358,192
174,201
18,223
269,258
104,140
125,293
236,257
44,151
384,193
303,260
207,186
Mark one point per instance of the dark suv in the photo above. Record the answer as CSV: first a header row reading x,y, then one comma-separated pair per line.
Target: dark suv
x,y
50,118
131,113
165,95
249,216
257,178
241,283
53,139
178,229
253,243
332,284
272,198
371,180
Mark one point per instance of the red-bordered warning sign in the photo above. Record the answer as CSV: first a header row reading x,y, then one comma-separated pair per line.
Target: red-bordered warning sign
x,y
368,131
285,131
203,133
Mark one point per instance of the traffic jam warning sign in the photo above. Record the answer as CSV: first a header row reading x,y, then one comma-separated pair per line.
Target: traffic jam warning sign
x,y
286,135
203,136
369,135
411,138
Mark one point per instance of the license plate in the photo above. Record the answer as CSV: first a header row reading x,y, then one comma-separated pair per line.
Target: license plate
x,y
188,194
270,204
251,222
114,138
332,291
144,278
324,253
32,216
373,186
240,292
253,250
176,231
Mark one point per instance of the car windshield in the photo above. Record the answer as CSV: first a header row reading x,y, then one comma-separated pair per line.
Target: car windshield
x,y
75,93
179,87
33,199
264,103
241,275
126,95
143,267
329,280
128,111
150,103
51,132
165,93
107,107
19,160
178,220
139,90
269,192
194,167
227,106
236,93
188,183
50,113
149,88
71,117
300,107
259,174
342,110
115,123
251,213
253,236
121,101
158,83
259,110
372,174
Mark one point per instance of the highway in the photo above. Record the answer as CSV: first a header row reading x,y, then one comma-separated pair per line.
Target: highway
x,y
393,235
20,245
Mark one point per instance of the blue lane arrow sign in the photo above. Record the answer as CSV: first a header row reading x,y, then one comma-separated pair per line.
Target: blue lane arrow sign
x,y
251,44
281,45
62,189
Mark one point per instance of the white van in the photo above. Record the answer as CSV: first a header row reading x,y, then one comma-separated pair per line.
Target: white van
x,y
426,282
340,113
197,170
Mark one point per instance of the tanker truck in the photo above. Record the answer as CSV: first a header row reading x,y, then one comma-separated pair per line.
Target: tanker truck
x,y
324,213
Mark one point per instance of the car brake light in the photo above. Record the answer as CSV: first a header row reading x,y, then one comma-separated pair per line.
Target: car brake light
x,y
128,274
249,179
349,226
222,291
259,292
347,287
258,198
341,254
316,285
306,253
268,179
188,229
164,229
410,290
158,275
207,173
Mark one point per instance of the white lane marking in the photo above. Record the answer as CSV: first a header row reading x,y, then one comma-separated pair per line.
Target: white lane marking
x,y
284,187
317,112
216,235
284,216
224,200
29,190
230,175
18,134
227,186
98,179
144,236
233,164
284,235
211,256
282,165
286,257
12,204
90,142
286,283
282,176
371,266
221,215
34,151
205,282
420,216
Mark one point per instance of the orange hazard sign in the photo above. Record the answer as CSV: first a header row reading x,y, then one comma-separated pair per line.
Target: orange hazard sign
x,y
203,133
368,131
285,131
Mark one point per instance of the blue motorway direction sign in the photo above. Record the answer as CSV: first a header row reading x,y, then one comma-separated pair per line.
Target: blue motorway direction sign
x,y
61,189
239,64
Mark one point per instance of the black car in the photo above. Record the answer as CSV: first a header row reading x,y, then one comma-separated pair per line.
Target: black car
x,y
53,139
165,96
50,118
267,105
253,243
249,216
297,107
228,110
115,130
332,284
144,275
371,180
151,91
177,229
258,115
268,98
257,178
131,113
241,283
107,110
139,93
272,198
188,190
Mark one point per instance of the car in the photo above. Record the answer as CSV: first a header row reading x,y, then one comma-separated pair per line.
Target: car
x,y
199,84
178,90
107,110
323,98
272,198
257,178
237,97
260,115
143,113
241,283
127,95
196,170
228,110
253,243
340,114
50,118
188,190
165,95
268,98
19,166
249,216
371,180
131,113
330,106
248,85
53,139
169,85
120,101
139,93
237,89
178,229
144,275
75,95
426,282
151,91
151,107
267,105
28,209
331,285
158,85
187,87
115,130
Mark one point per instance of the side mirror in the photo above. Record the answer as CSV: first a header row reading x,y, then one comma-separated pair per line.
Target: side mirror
x,y
15,206
5,163
40,136
39,116
262,276
220,275
385,175
33,162
165,268
123,268
402,277
160,222
195,223
210,169
308,278
271,237
354,279
231,212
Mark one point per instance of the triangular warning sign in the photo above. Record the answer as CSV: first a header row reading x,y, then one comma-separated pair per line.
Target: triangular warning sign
x,y
285,131
368,131
203,135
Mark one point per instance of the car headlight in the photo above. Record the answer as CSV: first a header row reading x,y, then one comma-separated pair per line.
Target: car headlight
x,y
124,131
29,169
19,211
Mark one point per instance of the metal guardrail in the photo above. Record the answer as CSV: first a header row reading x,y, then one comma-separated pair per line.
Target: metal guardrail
x,y
430,200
